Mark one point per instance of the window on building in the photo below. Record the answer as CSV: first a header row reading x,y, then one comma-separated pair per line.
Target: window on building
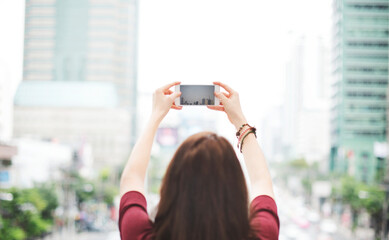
x,y
355,81
366,94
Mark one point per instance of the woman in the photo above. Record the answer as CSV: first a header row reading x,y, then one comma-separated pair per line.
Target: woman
x,y
203,194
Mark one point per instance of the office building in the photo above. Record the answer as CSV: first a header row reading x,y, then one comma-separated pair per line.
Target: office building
x,y
7,152
79,76
305,113
360,70
272,135
82,40
90,116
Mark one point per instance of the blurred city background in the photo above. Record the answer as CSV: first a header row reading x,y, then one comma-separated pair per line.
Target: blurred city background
x,y
76,79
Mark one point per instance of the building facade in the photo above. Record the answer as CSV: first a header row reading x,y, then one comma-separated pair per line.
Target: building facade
x,y
79,77
360,70
305,112
82,40
7,152
90,116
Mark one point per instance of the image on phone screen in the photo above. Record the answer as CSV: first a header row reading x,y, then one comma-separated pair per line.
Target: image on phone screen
x,y
197,95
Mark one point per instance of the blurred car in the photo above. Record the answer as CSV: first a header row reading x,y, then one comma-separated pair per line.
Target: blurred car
x,y
301,222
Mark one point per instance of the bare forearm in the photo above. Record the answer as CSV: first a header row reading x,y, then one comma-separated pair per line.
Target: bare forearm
x,y
134,173
260,179
261,183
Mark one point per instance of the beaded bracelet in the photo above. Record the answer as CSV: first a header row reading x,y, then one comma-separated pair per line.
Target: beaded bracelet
x,y
241,135
240,129
241,143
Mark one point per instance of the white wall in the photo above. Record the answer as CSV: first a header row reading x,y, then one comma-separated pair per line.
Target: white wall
x,y
38,161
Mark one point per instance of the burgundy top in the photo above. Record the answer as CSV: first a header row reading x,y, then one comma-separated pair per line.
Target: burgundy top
x,y
134,222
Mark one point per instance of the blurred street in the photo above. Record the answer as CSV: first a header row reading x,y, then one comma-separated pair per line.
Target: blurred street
x,y
113,235
298,221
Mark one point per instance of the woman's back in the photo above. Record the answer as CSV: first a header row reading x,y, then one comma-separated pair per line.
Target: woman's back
x,y
134,222
203,194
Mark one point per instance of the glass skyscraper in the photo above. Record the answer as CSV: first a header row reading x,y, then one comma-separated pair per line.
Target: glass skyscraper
x,y
82,40
360,69
79,79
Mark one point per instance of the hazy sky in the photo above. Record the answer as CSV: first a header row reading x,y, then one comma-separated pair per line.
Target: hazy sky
x,y
239,42
11,40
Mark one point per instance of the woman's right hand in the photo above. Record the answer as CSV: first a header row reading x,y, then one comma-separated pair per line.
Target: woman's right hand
x,y
230,104
163,100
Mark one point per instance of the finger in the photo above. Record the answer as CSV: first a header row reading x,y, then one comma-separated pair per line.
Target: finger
x,y
176,107
221,96
170,85
225,86
226,94
175,95
168,92
217,108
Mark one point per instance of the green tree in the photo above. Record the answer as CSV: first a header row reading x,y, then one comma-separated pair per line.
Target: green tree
x,y
9,232
299,164
373,204
307,173
23,217
109,193
47,192
361,196
84,189
350,195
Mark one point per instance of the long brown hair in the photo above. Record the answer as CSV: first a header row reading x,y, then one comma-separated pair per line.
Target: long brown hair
x,y
203,194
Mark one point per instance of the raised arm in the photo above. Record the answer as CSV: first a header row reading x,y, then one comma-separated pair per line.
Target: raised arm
x,y
134,173
260,179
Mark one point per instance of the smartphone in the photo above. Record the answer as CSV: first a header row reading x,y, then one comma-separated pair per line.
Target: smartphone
x,y
197,95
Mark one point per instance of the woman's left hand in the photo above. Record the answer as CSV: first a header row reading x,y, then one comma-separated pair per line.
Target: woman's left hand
x,y
163,100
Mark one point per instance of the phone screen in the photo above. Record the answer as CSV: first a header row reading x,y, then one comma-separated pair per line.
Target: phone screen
x,y
197,94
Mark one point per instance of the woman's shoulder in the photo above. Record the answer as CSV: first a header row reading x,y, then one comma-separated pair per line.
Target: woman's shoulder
x,y
263,202
133,205
264,219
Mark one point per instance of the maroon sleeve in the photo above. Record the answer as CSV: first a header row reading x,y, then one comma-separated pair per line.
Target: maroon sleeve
x,y
134,222
264,218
